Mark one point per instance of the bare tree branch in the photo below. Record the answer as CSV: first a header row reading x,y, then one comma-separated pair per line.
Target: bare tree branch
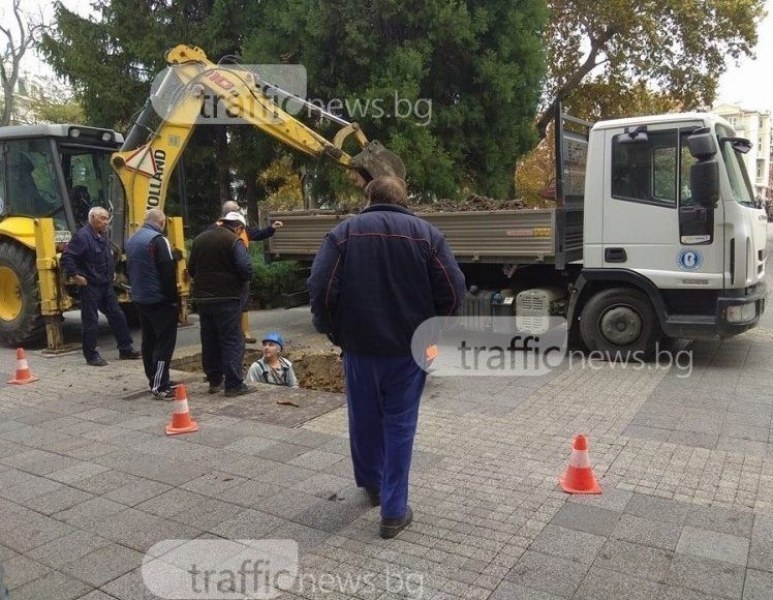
x,y
13,51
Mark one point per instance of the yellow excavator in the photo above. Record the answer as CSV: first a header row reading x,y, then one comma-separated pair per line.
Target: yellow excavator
x,y
51,175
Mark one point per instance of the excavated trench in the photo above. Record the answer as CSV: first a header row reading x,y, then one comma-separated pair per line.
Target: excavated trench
x,y
321,371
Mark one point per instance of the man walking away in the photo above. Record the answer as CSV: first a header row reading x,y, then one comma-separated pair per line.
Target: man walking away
x,y
221,267
88,261
376,278
154,291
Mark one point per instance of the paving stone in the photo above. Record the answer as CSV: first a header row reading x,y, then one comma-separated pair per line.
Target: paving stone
x,y
58,500
566,543
32,488
77,472
36,532
702,543
139,530
287,475
647,532
317,460
612,499
20,570
171,503
91,510
634,559
709,576
308,538
761,549
249,493
590,519
601,584
669,592
208,514
250,445
547,573
722,520
282,452
136,492
68,548
287,503
322,485
54,585
103,565
97,595
247,524
758,585
657,509
247,466
334,516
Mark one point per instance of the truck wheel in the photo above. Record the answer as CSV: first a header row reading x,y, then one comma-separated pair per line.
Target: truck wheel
x,y
620,322
20,318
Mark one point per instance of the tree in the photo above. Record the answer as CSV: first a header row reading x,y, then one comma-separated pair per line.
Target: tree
x,y
677,48
476,65
16,39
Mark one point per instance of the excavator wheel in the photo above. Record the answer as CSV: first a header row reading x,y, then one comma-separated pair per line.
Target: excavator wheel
x,y
20,318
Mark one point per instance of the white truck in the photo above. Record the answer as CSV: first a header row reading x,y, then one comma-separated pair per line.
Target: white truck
x,y
654,234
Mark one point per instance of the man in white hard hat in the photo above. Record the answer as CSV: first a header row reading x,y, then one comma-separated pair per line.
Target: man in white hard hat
x,y
221,268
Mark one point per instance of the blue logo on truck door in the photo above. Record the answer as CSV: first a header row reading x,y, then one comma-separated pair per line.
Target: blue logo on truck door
x,y
689,260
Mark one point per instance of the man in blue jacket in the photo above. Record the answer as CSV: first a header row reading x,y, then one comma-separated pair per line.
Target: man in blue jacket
x,y
88,261
376,278
154,290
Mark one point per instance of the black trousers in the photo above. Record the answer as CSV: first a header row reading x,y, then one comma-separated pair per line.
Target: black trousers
x,y
222,342
101,297
159,336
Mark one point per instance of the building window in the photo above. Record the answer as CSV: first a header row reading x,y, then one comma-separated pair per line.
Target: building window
x,y
760,170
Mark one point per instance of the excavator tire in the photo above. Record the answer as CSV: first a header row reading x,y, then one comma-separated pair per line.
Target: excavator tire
x,y
20,318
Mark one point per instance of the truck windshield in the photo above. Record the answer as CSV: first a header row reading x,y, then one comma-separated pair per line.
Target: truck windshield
x,y
740,185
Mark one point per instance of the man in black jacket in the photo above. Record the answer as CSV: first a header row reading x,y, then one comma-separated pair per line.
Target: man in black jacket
x,y
88,261
154,291
376,278
221,267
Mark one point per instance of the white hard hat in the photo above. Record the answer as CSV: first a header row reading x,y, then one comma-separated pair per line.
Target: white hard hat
x,y
236,218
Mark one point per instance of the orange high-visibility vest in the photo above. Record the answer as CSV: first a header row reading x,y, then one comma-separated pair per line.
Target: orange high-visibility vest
x,y
242,236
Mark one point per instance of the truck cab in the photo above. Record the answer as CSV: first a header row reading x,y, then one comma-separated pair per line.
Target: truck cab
x,y
672,214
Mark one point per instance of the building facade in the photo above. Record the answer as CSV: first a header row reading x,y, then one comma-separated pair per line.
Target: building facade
x,y
754,125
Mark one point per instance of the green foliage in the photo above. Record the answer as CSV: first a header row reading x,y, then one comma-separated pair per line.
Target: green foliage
x,y
603,53
271,280
479,64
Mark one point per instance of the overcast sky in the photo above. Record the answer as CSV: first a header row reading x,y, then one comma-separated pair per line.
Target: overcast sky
x,y
745,84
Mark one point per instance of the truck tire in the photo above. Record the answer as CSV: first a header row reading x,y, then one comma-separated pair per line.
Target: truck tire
x,y
620,323
20,318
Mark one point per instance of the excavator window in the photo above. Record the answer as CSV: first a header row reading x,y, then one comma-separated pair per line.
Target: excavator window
x,y
31,185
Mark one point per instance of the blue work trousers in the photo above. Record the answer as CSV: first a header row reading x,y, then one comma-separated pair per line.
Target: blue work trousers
x,y
383,395
222,342
102,298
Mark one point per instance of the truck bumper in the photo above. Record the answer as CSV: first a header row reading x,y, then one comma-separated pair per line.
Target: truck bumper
x,y
734,315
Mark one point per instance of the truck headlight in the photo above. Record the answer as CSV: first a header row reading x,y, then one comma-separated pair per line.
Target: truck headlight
x,y
741,313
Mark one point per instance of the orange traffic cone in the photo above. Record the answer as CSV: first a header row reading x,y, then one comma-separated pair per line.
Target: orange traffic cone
x,y
579,477
23,374
181,418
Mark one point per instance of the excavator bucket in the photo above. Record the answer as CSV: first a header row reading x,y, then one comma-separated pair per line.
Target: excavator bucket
x,y
377,161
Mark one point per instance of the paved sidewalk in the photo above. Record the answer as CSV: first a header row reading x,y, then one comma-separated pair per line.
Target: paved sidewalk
x,y
89,482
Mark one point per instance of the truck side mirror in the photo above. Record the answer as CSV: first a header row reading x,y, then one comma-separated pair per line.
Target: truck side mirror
x,y
701,144
704,174
704,182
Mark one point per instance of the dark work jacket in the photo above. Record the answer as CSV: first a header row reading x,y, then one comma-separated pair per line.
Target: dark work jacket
x,y
151,267
378,276
219,265
89,254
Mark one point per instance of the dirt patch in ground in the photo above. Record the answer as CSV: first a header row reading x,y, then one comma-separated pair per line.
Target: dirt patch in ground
x,y
321,371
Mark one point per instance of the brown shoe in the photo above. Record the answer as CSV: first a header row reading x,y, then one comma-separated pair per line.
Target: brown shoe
x,y
391,527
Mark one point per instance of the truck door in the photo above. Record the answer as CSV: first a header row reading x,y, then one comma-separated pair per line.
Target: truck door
x,y
650,223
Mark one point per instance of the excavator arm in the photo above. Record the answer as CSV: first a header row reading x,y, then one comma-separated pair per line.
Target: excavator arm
x,y
148,157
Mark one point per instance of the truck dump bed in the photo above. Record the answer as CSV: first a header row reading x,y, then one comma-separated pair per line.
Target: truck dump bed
x,y
515,236
523,236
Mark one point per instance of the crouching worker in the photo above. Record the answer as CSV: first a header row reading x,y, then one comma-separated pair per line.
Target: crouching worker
x,y
273,368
